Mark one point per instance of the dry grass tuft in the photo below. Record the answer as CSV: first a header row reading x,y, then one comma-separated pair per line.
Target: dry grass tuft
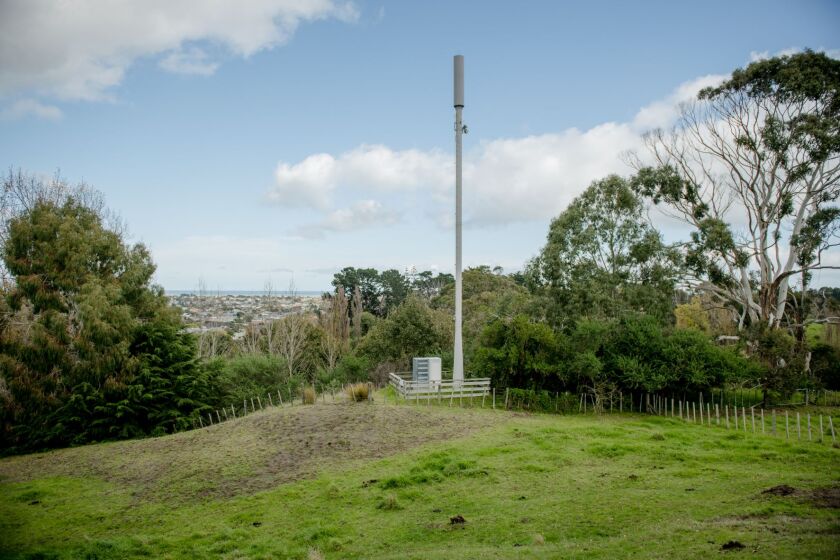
x,y
358,392
314,554
389,503
309,395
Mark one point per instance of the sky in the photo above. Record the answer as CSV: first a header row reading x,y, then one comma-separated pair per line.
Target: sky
x,y
283,140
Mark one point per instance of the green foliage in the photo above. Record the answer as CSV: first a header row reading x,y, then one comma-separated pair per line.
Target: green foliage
x,y
807,78
602,258
351,368
634,353
542,401
780,358
487,297
90,349
519,353
412,329
242,377
692,316
825,366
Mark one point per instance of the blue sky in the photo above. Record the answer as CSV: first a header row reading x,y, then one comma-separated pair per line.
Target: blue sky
x,y
275,139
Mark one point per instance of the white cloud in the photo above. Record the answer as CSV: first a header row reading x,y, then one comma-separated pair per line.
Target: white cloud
x,y
532,178
363,214
189,61
505,180
30,108
663,113
755,56
313,181
82,49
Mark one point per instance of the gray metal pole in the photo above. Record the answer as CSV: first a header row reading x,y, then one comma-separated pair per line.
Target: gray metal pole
x,y
458,362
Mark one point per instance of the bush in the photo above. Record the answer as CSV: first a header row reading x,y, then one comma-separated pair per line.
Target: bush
x,y
309,395
825,366
358,392
243,377
352,368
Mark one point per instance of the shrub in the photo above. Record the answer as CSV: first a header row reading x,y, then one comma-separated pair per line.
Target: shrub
x,y
242,377
358,392
351,368
309,395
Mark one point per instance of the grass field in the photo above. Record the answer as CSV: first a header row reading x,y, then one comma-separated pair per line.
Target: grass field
x,y
382,481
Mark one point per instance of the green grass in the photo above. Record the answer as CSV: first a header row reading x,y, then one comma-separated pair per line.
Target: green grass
x,y
527,486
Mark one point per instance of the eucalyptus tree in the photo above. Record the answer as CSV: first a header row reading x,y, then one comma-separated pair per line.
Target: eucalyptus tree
x,y
753,166
603,258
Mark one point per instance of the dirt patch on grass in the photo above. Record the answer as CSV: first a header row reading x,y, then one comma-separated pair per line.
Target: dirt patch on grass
x,y
826,497
823,497
253,453
780,490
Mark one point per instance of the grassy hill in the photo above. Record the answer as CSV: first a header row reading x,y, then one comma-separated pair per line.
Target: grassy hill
x,y
382,481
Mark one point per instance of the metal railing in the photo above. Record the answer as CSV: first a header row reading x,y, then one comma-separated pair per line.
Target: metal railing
x,y
440,390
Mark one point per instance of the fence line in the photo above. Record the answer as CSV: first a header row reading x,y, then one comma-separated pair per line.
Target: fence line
x,y
221,415
727,416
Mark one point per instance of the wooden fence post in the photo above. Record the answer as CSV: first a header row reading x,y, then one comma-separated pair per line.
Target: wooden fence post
x,y
809,426
680,410
494,398
798,428
726,409
200,421
233,410
744,417
787,426
831,425
225,411
253,408
507,391
218,417
752,414
701,413
821,428
693,413
672,407
259,402
620,401
210,418
717,413
270,402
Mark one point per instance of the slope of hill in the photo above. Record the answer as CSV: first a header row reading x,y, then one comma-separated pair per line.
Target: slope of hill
x,y
382,481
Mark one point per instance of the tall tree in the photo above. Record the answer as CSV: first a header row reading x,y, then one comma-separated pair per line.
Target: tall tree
x,y
395,288
366,280
335,324
754,166
89,349
603,258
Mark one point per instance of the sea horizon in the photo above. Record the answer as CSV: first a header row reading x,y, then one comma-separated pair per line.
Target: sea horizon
x,y
244,292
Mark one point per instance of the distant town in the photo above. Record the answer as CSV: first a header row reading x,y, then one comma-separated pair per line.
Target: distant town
x,y
235,311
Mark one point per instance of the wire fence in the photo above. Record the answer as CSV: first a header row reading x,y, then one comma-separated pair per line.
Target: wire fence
x,y
715,412
308,395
